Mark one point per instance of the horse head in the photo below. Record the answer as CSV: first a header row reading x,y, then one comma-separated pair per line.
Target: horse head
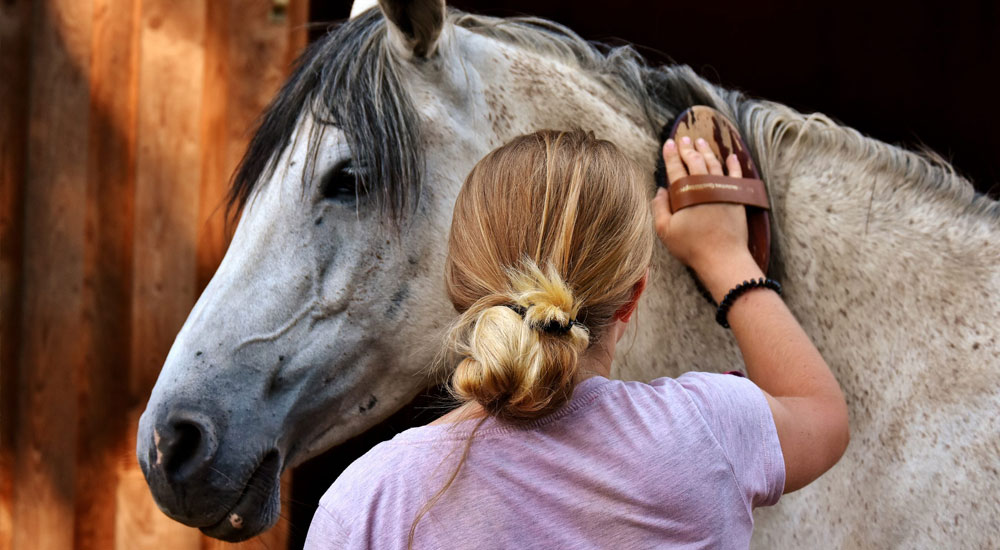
x,y
325,314
323,318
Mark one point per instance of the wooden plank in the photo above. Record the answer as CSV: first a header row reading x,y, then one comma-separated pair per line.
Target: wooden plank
x,y
113,208
298,31
15,21
260,50
103,397
168,170
167,174
215,169
52,355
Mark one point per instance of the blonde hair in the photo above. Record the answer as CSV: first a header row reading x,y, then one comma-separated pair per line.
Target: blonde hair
x,y
551,233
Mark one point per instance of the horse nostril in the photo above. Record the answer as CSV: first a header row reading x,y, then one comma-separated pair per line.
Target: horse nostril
x,y
181,448
185,446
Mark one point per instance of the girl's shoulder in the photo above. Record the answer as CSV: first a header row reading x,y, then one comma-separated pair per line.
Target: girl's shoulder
x,y
703,390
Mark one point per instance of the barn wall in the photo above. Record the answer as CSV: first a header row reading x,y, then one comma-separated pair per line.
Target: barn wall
x,y
120,123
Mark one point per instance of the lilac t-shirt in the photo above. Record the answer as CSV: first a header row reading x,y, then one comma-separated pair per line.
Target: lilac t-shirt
x,y
676,463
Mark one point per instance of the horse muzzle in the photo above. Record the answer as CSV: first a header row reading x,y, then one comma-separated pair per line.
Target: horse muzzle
x,y
229,491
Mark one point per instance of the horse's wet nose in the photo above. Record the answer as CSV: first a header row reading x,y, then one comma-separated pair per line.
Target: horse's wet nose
x,y
185,445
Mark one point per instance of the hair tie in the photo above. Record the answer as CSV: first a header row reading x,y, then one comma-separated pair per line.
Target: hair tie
x,y
552,327
517,309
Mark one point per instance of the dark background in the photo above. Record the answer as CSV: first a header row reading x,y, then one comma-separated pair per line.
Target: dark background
x,y
906,73
910,73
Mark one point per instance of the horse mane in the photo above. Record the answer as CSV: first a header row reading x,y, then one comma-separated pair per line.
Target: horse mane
x,y
663,92
350,79
768,125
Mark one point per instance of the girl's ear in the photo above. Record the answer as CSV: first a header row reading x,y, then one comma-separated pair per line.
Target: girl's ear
x,y
625,312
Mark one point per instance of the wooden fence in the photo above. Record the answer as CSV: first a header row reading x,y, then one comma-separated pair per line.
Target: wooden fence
x,y
120,123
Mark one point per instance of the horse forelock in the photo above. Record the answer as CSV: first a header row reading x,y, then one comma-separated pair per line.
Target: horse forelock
x,y
349,80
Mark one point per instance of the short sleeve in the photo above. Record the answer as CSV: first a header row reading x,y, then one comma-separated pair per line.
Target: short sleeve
x,y
737,413
325,532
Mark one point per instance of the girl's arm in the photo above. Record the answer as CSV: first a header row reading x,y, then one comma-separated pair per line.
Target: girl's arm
x,y
809,409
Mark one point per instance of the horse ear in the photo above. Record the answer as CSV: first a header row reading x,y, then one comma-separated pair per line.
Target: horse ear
x,y
416,24
359,6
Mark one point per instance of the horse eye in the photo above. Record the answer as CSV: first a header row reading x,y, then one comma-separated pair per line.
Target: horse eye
x,y
342,183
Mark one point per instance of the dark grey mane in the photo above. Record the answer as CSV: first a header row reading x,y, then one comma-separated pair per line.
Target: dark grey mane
x,y
349,79
660,92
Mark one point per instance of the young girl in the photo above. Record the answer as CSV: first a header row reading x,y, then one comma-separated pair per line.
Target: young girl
x,y
549,252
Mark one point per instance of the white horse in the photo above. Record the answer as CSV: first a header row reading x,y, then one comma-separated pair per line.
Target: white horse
x,y
327,309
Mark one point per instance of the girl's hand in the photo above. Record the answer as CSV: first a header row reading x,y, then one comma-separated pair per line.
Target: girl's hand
x,y
705,236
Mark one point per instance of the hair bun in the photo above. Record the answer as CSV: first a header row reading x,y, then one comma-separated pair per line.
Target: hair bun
x,y
549,236
522,356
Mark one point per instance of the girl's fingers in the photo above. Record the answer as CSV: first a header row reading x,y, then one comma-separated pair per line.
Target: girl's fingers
x,y
693,159
711,161
672,160
733,164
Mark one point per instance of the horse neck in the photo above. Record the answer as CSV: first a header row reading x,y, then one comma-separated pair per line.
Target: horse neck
x,y
880,249
860,226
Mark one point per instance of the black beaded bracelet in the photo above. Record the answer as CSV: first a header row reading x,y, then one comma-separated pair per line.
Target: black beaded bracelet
x,y
739,290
